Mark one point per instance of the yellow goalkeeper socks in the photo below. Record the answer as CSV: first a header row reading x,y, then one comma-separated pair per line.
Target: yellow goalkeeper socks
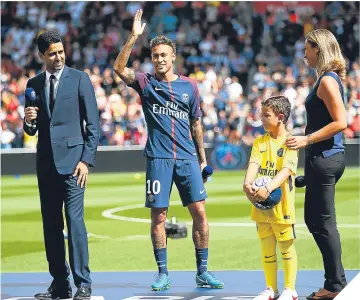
x,y
268,255
289,257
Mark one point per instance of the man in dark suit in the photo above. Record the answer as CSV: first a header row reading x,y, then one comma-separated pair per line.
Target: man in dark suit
x,y
66,117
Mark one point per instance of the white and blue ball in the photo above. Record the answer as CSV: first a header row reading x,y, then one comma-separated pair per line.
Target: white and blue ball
x,y
274,197
261,181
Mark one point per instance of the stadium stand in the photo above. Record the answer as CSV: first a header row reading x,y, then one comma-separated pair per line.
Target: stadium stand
x,y
238,52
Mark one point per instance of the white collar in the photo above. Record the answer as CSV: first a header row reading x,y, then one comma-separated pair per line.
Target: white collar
x,y
57,74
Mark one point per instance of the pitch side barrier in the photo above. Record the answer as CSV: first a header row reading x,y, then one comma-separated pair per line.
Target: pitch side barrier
x,y
130,158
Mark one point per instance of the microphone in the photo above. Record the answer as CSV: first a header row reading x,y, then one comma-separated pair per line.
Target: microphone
x,y
30,97
207,172
300,181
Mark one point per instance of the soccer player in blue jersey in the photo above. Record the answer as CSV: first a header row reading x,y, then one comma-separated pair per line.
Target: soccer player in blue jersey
x,y
174,149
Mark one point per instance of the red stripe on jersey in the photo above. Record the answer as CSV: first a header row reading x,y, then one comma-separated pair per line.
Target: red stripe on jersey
x,y
187,79
172,122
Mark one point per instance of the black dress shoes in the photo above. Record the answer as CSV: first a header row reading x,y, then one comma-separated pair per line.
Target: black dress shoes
x,y
55,292
83,293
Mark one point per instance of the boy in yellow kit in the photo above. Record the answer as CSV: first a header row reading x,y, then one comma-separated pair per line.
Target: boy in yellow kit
x,y
270,157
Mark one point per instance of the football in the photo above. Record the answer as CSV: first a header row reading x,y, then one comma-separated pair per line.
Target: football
x,y
273,199
261,181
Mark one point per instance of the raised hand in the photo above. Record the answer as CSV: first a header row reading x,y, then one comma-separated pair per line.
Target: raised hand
x,y
137,28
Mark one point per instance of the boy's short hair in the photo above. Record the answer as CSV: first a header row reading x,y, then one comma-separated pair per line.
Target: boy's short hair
x,y
279,105
162,40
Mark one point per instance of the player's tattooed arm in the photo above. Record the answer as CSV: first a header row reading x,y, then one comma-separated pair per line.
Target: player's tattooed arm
x,y
126,74
122,59
198,138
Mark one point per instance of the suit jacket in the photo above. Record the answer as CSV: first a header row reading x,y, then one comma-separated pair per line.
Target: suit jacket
x,y
63,133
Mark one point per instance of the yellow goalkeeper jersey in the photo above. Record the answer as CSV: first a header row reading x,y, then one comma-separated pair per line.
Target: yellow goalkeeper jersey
x,y
272,155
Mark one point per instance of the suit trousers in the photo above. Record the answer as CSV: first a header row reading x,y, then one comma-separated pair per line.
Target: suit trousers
x,y
322,174
58,191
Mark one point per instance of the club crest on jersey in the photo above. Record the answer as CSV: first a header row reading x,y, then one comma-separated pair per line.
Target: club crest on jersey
x,y
280,152
151,198
185,98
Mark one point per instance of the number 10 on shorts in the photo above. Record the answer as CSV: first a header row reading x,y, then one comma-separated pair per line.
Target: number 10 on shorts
x,y
153,188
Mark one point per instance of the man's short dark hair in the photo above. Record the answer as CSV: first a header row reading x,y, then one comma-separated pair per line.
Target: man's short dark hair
x,y
279,105
162,40
47,38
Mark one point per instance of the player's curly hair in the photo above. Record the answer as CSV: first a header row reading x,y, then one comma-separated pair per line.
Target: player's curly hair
x,y
162,40
279,105
47,38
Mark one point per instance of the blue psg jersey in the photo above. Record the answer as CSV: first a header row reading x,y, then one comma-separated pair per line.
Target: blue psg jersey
x,y
168,108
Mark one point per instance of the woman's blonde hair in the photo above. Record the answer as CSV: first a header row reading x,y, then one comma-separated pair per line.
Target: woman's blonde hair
x,y
330,57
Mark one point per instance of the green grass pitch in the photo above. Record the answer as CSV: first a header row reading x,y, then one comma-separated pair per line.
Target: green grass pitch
x,y
125,245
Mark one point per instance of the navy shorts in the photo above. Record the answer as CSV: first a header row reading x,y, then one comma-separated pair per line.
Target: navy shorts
x,y
162,172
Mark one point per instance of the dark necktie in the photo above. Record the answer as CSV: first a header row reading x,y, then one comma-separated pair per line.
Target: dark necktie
x,y
51,95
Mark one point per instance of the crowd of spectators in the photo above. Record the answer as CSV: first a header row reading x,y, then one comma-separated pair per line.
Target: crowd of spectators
x,y
237,56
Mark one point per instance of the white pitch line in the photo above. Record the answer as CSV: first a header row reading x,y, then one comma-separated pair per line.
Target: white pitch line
x,y
124,238
98,236
110,214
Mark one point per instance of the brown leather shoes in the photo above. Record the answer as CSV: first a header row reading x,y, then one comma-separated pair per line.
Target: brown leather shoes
x,y
322,294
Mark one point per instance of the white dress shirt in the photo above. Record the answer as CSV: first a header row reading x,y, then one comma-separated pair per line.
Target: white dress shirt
x,y
57,75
